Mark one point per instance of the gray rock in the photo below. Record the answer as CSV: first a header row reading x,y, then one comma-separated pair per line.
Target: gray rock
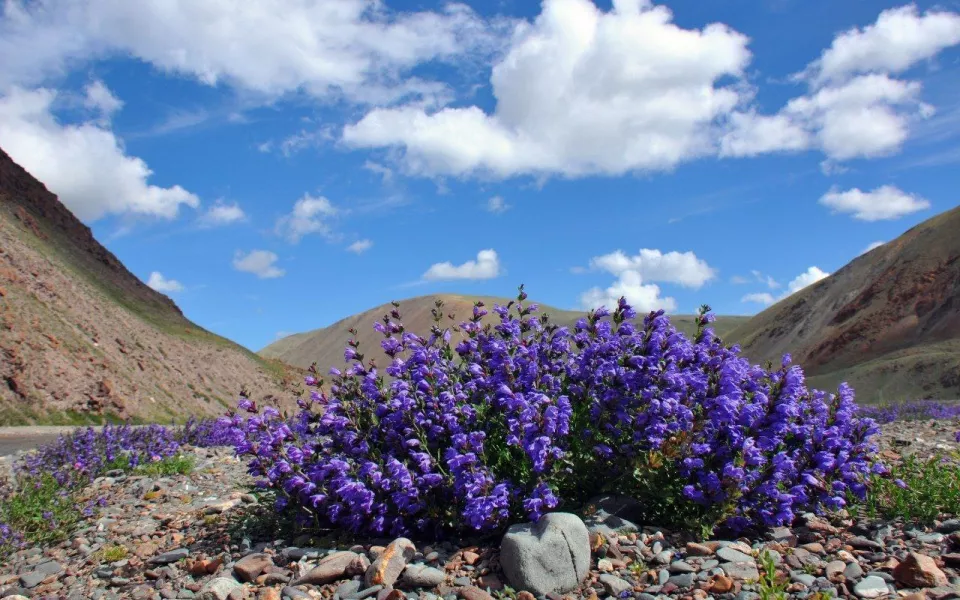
x,y
663,576
366,593
853,571
871,587
292,593
552,555
804,578
709,564
741,570
949,526
32,579
462,581
734,556
420,575
169,557
218,588
682,567
684,580
663,558
348,587
614,585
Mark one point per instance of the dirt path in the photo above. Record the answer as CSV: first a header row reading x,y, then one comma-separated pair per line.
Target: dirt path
x,y
14,439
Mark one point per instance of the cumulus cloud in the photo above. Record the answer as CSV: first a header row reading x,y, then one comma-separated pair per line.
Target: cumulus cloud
x,y
900,38
497,205
643,297
261,263
765,298
161,284
84,163
683,268
579,91
486,266
872,246
222,213
855,108
636,276
99,98
884,203
310,215
353,48
807,278
360,246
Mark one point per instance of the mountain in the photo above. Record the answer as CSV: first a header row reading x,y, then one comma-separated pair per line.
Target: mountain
x,y
888,323
82,340
325,345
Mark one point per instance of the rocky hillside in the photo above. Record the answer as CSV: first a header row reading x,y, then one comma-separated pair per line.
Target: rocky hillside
x,y
83,340
325,345
888,323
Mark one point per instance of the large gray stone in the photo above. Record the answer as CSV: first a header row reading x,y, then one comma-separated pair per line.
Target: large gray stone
x,y
218,588
552,555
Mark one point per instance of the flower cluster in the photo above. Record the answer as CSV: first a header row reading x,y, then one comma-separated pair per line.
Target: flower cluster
x,y
77,458
914,410
516,418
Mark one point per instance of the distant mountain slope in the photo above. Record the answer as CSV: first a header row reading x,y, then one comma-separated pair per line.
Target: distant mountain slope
x,y
83,340
325,346
888,323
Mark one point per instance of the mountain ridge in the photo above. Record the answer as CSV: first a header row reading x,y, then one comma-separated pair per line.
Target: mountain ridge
x,y
83,340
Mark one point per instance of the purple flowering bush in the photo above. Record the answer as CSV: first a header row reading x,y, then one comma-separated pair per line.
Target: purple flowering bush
x,y
41,505
914,410
519,417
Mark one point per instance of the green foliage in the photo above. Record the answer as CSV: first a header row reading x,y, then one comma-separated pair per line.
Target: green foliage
x,y
770,586
917,490
41,510
113,553
180,464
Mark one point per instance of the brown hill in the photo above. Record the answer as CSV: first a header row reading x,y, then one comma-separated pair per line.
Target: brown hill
x,y
83,340
325,345
888,323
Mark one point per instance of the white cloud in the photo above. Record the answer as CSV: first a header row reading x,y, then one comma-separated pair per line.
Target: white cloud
x,y
161,284
497,205
635,275
807,278
765,298
486,266
683,268
356,48
309,215
884,203
766,279
360,246
99,98
872,246
83,163
854,109
642,297
580,91
261,263
739,280
222,213
385,173
900,38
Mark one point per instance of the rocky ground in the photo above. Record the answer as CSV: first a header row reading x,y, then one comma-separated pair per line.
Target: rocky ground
x,y
180,539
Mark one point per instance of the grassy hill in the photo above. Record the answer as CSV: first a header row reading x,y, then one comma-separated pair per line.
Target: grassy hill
x,y
888,323
325,345
83,340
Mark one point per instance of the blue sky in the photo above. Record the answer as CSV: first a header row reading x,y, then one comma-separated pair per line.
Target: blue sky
x,y
276,168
